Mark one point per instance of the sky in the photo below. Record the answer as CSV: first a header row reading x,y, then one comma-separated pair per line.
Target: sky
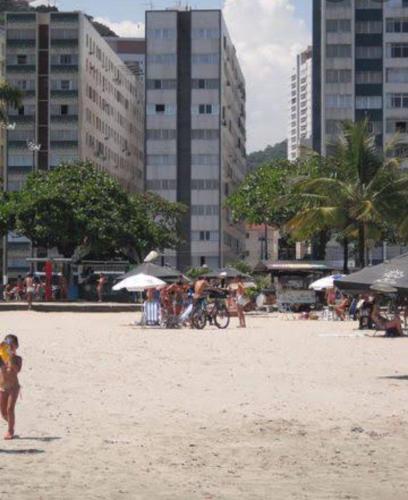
x,y
266,33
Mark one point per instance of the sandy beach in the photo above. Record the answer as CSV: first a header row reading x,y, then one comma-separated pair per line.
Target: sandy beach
x,y
282,410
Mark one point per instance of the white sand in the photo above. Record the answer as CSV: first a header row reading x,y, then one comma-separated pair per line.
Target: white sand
x,y
282,410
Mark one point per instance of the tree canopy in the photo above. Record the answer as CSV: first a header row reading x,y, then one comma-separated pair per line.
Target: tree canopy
x,y
76,206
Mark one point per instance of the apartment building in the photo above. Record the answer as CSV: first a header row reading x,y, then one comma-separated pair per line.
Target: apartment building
x,y
300,105
360,68
80,102
131,51
195,129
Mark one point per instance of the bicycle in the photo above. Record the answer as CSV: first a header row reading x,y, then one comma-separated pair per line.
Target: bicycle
x,y
216,312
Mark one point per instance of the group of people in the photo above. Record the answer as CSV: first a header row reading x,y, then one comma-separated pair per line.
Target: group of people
x,y
177,298
366,309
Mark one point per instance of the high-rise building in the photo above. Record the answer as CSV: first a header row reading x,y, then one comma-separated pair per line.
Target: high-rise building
x,y
80,102
195,129
300,105
360,68
131,51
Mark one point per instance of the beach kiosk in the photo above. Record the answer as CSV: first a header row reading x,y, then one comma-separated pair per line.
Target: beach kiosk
x,y
291,280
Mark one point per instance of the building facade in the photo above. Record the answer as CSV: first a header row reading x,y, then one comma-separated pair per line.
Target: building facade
x,y
300,105
195,129
80,102
255,248
131,51
360,68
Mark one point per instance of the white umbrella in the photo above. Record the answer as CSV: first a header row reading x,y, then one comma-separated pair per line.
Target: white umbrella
x,y
326,282
139,282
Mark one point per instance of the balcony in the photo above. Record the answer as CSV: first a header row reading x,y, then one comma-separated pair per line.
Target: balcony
x,y
64,68
17,144
64,42
64,93
21,119
21,18
63,144
65,17
64,118
20,44
20,68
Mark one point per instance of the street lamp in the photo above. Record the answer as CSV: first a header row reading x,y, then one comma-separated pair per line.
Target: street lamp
x,y
7,126
34,148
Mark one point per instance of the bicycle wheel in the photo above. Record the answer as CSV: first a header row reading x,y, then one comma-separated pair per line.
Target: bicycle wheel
x,y
222,317
199,319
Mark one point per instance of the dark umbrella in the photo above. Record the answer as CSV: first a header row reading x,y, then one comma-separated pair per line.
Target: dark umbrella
x,y
227,272
166,273
392,274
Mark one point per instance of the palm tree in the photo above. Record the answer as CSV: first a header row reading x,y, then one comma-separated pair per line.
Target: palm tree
x,y
364,192
9,96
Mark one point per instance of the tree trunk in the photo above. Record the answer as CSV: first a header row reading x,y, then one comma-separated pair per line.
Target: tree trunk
x,y
266,242
319,243
345,256
361,246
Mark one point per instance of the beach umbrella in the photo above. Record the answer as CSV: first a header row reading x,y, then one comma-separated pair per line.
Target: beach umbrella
x,y
139,282
325,283
165,273
391,274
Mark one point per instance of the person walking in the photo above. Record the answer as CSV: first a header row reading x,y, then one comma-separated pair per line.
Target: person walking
x,y
100,286
29,287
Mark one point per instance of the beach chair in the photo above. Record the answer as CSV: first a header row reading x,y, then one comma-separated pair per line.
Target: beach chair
x,y
151,313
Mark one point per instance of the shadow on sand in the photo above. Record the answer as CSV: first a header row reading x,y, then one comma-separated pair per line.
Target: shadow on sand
x,y
45,439
395,377
29,451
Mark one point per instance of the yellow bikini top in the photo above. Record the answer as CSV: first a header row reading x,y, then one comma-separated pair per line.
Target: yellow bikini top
x,y
5,353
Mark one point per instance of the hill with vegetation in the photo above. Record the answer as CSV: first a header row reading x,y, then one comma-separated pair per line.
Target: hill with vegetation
x,y
276,152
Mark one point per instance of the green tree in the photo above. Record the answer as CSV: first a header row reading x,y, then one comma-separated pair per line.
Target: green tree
x,y
256,201
75,206
9,97
363,193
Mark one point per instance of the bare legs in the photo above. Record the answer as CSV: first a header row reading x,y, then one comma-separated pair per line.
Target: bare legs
x,y
8,400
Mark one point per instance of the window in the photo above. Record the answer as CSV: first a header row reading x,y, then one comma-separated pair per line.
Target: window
x,y
368,52
204,235
369,102
205,134
63,109
161,184
164,84
21,59
338,76
205,210
397,75
211,33
204,184
162,33
206,109
21,111
397,100
204,160
65,59
337,3
338,26
340,50
161,109
161,134
65,85
399,126
339,101
369,77
161,160
397,50
398,25
368,27
333,126
212,83
162,58
205,58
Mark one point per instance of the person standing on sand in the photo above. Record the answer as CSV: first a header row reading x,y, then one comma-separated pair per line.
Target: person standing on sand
x,y
29,287
9,385
240,301
99,286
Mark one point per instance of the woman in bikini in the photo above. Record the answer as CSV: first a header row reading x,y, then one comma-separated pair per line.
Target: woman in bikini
x,y
9,385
